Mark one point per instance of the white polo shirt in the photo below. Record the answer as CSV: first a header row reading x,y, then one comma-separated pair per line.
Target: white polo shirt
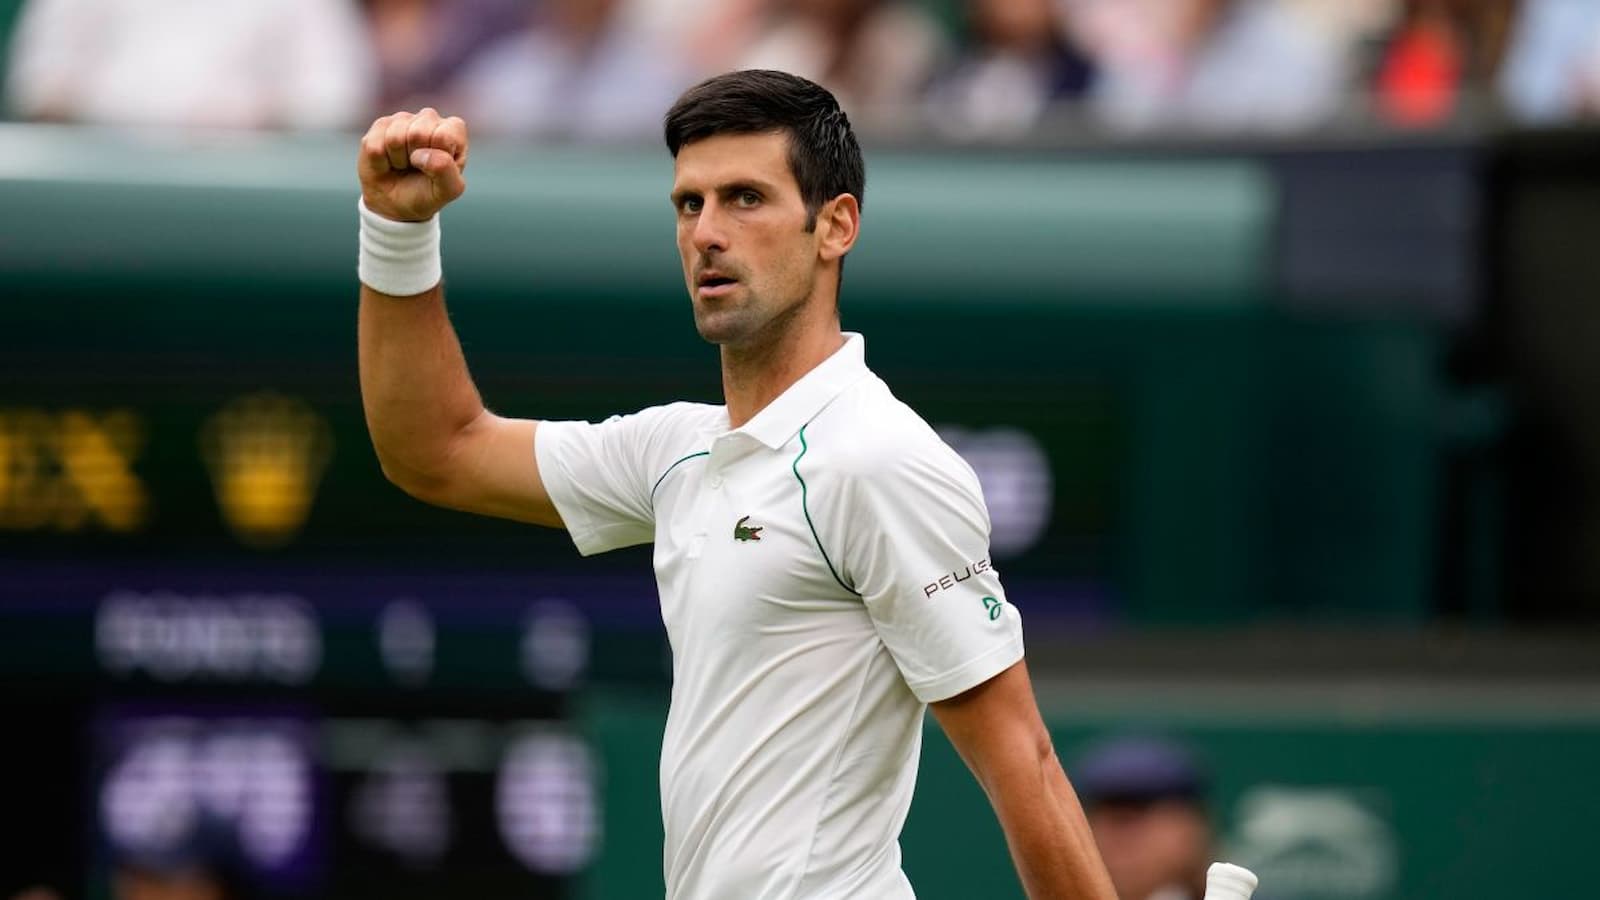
x,y
824,572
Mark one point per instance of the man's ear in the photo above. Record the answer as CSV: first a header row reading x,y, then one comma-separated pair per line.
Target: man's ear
x,y
838,224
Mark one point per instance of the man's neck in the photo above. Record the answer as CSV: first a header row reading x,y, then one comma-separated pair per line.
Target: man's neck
x,y
754,375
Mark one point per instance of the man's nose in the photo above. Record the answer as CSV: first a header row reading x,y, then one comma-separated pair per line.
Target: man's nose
x,y
709,231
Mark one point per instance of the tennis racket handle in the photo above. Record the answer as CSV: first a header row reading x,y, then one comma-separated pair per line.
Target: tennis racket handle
x,y
1225,881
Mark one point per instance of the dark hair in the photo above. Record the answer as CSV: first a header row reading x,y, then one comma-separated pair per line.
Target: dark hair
x,y
823,154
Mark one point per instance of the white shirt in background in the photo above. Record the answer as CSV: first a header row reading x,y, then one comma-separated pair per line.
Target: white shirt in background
x,y
193,63
1261,67
1551,72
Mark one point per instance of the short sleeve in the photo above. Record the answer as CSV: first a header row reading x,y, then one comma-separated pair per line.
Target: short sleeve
x,y
597,474
917,551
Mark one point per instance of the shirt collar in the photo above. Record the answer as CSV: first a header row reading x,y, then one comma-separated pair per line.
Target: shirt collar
x,y
779,420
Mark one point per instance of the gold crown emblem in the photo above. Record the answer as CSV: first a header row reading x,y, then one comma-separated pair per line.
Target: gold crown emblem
x,y
266,453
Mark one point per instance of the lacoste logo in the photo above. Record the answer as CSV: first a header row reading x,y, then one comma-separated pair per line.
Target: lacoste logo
x,y
742,532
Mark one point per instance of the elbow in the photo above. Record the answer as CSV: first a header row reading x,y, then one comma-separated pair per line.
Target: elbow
x,y
401,478
415,482
434,469
396,475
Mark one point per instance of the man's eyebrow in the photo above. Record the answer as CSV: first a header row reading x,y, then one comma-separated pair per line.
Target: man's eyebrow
x,y
747,184
732,187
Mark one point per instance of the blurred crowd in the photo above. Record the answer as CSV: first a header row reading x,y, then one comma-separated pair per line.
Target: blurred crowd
x,y
974,69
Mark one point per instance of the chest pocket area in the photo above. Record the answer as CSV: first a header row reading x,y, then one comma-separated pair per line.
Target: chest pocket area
x,y
764,569
681,538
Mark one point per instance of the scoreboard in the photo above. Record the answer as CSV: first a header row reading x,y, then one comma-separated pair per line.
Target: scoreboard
x,y
310,734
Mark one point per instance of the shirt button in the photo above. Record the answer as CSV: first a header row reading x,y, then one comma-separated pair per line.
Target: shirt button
x,y
715,481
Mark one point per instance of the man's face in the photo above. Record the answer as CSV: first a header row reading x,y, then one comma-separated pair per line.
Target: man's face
x,y
1152,845
748,260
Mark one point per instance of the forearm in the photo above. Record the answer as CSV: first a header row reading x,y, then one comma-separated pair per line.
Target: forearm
x,y
1049,838
997,729
415,388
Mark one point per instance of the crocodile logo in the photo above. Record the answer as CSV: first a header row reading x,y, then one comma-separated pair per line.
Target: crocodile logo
x,y
742,532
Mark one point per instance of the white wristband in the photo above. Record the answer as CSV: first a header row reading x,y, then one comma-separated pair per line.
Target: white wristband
x,y
400,259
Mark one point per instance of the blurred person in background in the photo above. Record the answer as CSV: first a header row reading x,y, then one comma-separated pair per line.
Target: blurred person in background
x,y
1210,65
1361,27
1345,20
572,69
876,56
1145,799
1017,63
138,883
709,35
423,45
238,64
205,864
1551,71
1442,55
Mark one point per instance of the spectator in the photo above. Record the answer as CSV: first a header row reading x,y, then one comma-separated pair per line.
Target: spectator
x,y
1442,53
709,35
1145,801
1018,65
240,64
1552,66
876,56
575,71
1362,27
1347,20
205,864
423,45
1208,64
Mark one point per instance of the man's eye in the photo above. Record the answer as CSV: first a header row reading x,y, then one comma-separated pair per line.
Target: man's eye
x,y
749,198
691,205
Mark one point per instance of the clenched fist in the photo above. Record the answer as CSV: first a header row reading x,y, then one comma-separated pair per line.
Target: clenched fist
x,y
411,165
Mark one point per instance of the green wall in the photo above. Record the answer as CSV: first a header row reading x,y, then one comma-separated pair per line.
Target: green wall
x,y
1373,795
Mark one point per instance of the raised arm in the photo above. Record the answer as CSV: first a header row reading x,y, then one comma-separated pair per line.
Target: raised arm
x,y
997,730
432,434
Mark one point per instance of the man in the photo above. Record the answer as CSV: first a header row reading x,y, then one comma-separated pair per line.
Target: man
x,y
1146,802
822,556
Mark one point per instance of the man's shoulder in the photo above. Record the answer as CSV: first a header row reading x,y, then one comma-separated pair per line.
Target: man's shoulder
x,y
877,458
869,432
678,417
685,411
646,437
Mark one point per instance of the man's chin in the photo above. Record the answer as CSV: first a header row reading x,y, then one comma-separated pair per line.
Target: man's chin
x,y
720,329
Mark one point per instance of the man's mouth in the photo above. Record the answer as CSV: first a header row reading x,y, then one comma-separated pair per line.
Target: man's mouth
x,y
714,284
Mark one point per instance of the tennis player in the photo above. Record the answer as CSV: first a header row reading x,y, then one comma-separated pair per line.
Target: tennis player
x,y
822,557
